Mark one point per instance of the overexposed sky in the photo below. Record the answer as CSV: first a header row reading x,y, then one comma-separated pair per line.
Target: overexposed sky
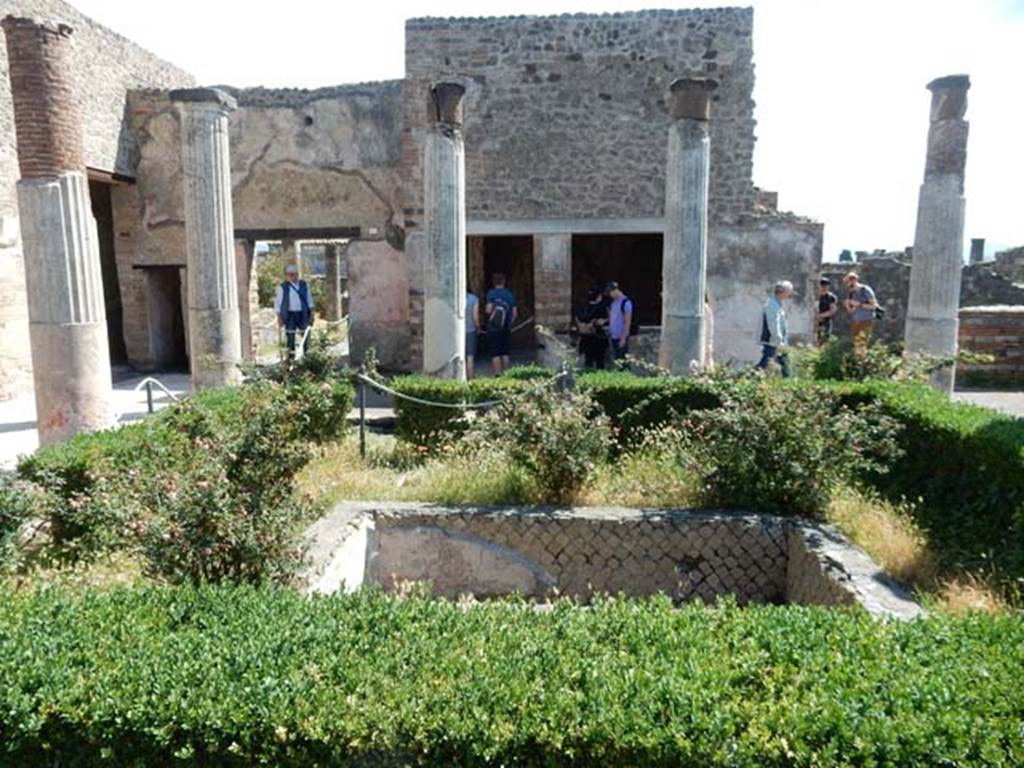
x,y
842,110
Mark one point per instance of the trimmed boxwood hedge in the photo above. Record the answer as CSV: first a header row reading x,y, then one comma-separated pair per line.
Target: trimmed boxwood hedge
x,y
243,676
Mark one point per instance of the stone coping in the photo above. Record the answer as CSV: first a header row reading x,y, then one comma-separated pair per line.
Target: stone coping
x,y
703,553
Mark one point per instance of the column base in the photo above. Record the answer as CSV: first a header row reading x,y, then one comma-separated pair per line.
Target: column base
x,y
71,369
215,347
682,343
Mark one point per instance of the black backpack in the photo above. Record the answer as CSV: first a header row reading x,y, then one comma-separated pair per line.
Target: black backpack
x,y
634,319
501,313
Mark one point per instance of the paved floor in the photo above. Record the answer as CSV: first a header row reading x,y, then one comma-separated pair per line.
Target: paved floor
x,y
1007,402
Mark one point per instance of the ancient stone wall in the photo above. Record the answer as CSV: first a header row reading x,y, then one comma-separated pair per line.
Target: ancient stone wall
x,y
565,116
889,275
324,159
105,66
997,331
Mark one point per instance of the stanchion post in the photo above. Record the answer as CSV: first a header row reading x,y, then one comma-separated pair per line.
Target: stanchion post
x,y
149,396
362,413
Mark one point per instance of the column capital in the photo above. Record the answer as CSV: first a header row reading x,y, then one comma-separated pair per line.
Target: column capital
x,y
54,27
204,97
949,97
446,103
690,98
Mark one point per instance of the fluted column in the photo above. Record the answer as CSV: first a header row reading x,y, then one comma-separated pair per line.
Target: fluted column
x,y
214,329
939,239
444,289
67,319
684,264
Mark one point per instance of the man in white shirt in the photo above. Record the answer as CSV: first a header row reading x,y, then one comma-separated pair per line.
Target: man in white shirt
x,y
774,330
294,306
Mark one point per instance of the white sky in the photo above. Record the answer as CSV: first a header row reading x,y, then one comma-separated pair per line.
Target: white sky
x,y
842,109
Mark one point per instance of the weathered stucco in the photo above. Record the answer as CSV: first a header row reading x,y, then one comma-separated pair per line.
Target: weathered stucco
x,y
378,287
105,66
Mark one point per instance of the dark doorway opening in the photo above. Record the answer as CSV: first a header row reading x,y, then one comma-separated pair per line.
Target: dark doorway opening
x,y
103,212
633,261
166,319
513,257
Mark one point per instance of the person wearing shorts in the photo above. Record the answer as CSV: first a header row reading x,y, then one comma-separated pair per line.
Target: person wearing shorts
x,y
472,327
500,311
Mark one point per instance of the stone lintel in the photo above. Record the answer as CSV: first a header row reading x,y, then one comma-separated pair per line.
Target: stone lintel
x,y
690,98
204,96
446,103
949,97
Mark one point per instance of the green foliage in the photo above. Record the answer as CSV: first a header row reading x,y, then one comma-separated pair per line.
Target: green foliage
x,y
836,361
962,466
243,676
783,450
269,275
105,490
555,438
428,425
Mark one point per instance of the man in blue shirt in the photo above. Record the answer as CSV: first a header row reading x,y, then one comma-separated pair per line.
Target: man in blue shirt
x,y
774,329
620,320
501,312
294,306
472,326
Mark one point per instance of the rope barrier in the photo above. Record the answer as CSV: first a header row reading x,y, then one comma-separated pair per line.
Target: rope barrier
x,y
484,404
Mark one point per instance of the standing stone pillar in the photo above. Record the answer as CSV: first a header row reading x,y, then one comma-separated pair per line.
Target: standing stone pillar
x,y
977,250
444,272
332,278
684,265
214,328
939,239
67,320
290,254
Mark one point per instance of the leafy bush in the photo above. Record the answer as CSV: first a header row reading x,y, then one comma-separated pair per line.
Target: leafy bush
x,y
783,450
836,361
244,676
555,438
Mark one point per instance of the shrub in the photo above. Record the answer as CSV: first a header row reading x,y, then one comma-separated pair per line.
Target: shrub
x,y
243,676
555,438
836,361
783,450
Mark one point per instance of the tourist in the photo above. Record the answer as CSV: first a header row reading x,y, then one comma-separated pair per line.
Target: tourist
x,y
591,323
774,331
294,304
501,313
828,305
862,307
620,320
472,328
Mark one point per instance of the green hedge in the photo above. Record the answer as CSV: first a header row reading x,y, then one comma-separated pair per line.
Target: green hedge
x,y
243,676
631,402
964,466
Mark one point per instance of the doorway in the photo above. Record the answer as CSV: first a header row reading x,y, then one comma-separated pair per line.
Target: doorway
x,y
632,260
103,213
168,351
512,256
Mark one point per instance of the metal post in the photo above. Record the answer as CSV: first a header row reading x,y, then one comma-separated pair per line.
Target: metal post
x,y
362,414
149,396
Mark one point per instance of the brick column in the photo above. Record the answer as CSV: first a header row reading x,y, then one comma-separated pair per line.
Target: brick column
x,y
684,265
552,280
444,269
215,344
67,321
939,239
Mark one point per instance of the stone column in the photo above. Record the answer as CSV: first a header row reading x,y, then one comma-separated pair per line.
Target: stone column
x,y
939,239
977,250
332,279
444,272
552,280
290,254
214,327
684,265
67,321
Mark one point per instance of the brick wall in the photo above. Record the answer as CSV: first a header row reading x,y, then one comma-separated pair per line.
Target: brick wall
x,y
104,66
996,331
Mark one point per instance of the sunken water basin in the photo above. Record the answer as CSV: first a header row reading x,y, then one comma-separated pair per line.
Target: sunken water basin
x,y
541,552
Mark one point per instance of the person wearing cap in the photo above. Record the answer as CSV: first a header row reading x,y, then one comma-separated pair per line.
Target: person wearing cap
x,y
591,323
620,319
862,306
828,305
774,330
294,306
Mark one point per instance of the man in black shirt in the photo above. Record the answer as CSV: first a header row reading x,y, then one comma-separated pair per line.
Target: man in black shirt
x,y
591,323
828,305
